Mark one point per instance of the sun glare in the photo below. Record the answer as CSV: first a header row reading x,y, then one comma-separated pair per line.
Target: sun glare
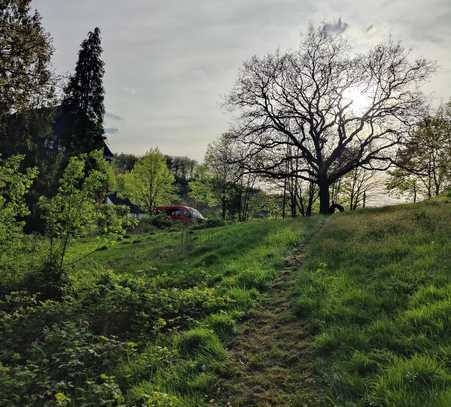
x,y
359,97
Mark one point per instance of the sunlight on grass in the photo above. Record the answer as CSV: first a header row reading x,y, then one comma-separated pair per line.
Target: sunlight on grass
x,y
377,290
182,301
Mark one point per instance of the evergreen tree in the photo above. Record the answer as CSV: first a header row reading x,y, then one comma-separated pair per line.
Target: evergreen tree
x,y
81,122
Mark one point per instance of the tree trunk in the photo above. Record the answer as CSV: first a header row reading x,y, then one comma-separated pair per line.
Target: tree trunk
x,y
311,196
224,208
324,197
284,202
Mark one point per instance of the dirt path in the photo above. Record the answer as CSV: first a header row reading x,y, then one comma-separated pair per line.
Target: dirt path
x,y
271,357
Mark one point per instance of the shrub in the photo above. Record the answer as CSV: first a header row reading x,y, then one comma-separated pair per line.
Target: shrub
x,y
65,362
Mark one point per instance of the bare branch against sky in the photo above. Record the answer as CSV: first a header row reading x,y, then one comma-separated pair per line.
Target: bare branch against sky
x,y
169,63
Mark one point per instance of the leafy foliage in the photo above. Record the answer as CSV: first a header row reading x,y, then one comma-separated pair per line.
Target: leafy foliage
x,y
14,185
25,77
423,165
149,184
77,208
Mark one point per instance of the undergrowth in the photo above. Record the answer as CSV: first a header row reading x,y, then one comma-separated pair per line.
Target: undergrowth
x,y
142,323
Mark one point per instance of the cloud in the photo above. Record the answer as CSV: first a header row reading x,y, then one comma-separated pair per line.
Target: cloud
x,y
113,116
169,63
336,28
111,130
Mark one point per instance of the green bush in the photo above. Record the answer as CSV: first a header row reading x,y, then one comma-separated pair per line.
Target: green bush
x,y
65,361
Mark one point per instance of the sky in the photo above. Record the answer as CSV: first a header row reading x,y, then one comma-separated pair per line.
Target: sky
x,y
169,63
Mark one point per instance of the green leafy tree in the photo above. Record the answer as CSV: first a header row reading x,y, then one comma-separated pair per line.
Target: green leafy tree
x,y
83,110
26,90
25,53
423,165
14,185
78,207
402,183
202,187
150,183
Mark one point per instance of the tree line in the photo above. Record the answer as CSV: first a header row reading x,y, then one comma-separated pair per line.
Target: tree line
x,y
313,128
322,117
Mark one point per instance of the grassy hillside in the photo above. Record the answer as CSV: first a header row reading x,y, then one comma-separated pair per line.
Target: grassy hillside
x,y
376,289
142,323
148,321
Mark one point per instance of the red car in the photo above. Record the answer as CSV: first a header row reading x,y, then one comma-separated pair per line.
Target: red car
x,y
180,213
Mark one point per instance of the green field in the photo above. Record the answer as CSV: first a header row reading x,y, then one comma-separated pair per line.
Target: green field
x,y
153,320
376,290
144,322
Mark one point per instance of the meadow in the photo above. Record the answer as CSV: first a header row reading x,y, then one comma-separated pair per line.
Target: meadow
x,y
154,319
376,290
144,322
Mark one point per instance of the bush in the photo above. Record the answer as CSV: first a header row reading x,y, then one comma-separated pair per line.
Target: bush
x,y
65,362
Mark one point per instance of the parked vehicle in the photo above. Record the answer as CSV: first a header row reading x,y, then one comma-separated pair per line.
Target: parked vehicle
x,y
180,213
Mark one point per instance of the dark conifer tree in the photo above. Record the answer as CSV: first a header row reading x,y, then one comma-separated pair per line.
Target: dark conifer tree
x,y
82,110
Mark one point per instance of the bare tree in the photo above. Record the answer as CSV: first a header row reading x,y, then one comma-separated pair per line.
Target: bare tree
x,y
307,101
354,188
232,183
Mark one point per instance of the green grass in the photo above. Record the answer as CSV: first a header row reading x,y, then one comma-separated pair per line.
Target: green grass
x,y
145,322
376,291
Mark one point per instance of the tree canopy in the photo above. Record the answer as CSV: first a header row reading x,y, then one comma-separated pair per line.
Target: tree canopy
x,y
82,109
150,183
25,54
336,110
